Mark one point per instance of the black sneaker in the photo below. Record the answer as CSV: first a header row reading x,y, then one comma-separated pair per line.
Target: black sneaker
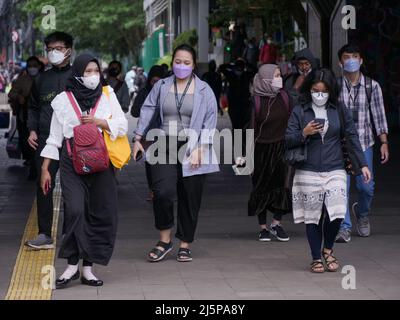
x,y
264,236
279,233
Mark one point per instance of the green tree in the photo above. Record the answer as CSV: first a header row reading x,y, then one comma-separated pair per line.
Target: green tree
x,y
111,27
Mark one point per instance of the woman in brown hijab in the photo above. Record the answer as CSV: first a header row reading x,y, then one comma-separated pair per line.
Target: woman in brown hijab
x,y
270,116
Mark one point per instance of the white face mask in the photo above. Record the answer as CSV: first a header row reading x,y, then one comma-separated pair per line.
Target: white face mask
x,y
57,57
277,83
90,82
320,99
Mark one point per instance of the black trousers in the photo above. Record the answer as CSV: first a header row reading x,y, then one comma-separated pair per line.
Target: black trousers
x,y
45,202
167,183
90,214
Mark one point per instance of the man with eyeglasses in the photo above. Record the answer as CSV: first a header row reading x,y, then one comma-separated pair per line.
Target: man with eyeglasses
x,y
45,88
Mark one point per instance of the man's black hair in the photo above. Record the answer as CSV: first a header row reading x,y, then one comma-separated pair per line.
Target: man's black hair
x,y
59,36
349,48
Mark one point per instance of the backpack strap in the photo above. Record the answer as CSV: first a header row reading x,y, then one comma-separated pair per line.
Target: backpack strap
x,y
368,90
77,110
286,100
74,104
257,104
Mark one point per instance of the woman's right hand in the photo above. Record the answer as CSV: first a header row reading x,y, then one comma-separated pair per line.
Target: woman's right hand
x,y
137,147
45,181
312,128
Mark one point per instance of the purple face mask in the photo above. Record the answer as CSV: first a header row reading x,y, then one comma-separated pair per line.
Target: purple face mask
x,y
182,71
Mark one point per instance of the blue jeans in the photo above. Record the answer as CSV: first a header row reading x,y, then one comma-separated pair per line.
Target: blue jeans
x,y
365,192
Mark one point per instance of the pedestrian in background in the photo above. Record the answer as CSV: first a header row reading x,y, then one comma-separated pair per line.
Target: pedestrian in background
x,y
214,80
120,88
270,116
305,65
44,89
18,97
155,74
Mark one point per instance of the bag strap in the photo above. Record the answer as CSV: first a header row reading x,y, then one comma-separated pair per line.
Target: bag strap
x,y
77,110
285,98
71,99
341,120
368,90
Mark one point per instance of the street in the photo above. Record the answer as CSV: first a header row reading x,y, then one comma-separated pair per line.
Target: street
x,y
229,261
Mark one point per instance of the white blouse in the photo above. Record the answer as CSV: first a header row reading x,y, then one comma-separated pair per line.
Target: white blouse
x,y
64,120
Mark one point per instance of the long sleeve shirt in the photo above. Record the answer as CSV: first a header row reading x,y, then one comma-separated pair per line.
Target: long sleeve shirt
x,y
64,120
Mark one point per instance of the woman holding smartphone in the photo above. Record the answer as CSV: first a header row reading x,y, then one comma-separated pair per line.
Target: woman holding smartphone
x,y
90,201
320,184
187,109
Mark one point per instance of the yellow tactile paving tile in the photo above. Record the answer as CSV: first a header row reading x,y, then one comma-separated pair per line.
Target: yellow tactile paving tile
x,y
33,267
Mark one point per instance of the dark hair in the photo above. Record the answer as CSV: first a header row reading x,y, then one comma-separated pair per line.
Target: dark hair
x,y
348,48
59,36
33,59
185,47
325,76
116,62
212,65
155,72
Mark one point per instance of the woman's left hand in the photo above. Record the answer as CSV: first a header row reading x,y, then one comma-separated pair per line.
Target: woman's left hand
x,y
366,174
87,119
195,158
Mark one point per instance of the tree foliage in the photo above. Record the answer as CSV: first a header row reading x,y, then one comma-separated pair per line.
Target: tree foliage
x,y
114,27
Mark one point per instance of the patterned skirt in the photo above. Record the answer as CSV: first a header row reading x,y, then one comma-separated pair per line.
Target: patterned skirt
x,y
311,190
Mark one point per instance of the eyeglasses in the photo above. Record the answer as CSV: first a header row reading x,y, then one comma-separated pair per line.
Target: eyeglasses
x,y
58,48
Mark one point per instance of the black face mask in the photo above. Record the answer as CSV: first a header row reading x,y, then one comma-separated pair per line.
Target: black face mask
x,y
113,72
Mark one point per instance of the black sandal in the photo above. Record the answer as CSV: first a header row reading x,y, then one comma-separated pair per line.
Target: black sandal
x,y
326,256
160,254
184,255
317,264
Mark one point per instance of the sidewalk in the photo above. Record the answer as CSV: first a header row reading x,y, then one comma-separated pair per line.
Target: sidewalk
x,y
229,262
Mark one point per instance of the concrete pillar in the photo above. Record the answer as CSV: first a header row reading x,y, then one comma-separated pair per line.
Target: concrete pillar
x,y
202,30
193,14
185,15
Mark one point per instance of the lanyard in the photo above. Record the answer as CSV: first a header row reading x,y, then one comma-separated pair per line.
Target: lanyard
x,y
352,101
178,102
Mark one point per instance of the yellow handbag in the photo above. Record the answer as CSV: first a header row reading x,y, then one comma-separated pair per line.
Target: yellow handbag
x,y
119,150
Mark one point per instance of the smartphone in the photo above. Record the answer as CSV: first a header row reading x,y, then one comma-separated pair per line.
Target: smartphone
x,y
320,121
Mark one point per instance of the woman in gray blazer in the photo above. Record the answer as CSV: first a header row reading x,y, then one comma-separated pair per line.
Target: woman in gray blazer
x,y
181,112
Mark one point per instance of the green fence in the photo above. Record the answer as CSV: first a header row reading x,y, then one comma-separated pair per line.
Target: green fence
x,y
154,48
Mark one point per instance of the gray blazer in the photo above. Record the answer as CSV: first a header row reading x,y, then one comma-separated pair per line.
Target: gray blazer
x,y
202,125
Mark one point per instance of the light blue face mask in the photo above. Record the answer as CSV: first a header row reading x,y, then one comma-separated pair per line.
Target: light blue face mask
x,y
352,65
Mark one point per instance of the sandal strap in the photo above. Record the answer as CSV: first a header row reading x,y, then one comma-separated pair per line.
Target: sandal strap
x,y
164,245
184,252
315,263
157,252
329,255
